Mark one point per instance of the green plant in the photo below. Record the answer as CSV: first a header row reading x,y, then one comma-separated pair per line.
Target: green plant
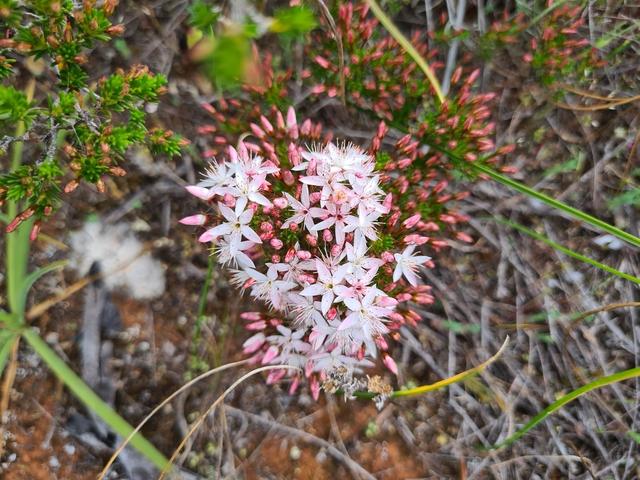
x,y
70,131
75,130
575,213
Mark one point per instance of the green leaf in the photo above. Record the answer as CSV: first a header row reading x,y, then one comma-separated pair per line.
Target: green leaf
x,y
568,251
229,59
631,197
6,344
203,15
92,401
635,436
33,277
294,21
552,202
562,401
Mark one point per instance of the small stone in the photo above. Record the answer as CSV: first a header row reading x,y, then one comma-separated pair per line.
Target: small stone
x,y
295,453
54,462
69,449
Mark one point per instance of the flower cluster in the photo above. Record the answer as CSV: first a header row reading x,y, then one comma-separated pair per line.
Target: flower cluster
x,y
382,80
559,52
303,233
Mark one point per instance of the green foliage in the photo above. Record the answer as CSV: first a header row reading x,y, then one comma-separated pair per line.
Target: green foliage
x,y
229,59
630,197
14,107
203,15
293,21
78,129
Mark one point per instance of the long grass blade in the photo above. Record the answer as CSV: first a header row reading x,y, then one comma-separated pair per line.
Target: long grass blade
x,y
453,379
439,384
409,48
87,396
33,277
571,211
568,251
562,401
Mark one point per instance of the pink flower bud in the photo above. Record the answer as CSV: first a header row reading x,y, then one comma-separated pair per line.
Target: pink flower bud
x,y
257,131
291,253
323,62
276,243
332,313
311,240
35,230
229,200
411,221
292,123
202,193
390,363
387,257
388,201
327,236
288,178
251,316
336,249
253,344
280,202
314,385
206,237
275,258
295,383
382,343
259,325
276,375
270,354
385,301
303,255
193,220
308,368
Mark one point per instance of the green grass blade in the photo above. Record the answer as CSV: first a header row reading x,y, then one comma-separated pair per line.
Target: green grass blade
x,y
17,243
498,177
409,48
568,251
87,396
571,211
6,343
562,401
33,277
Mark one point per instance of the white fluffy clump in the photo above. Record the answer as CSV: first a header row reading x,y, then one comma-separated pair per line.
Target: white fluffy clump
x,y
120,256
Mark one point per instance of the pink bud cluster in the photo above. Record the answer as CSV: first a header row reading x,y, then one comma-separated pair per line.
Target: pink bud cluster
x,y
313,235
560,51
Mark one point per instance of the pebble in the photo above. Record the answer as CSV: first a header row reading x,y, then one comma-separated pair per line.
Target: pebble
x,y
295,453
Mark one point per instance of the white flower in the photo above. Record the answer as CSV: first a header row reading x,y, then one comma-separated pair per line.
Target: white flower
x,y
301,211
218,179
252,165
236,227
367,194
269,288
407,264
366,314
363,224
357,260
336,217
247,189
239,258
326,284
